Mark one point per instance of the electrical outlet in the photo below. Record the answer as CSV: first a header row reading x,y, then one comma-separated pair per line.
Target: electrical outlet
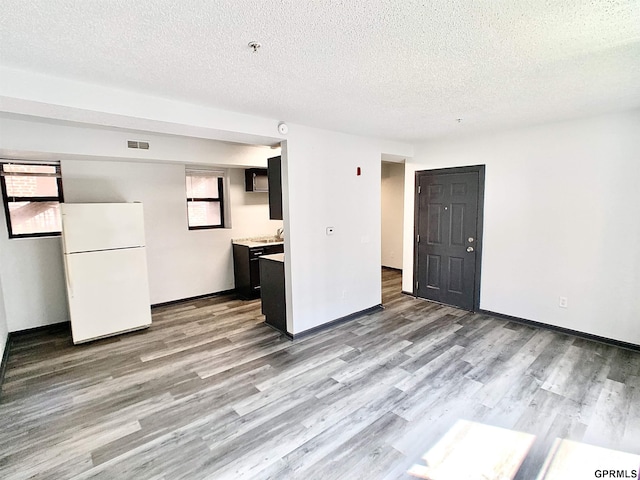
x,y
562,302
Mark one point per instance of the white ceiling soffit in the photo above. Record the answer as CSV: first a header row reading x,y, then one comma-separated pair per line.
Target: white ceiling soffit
x,y
403,70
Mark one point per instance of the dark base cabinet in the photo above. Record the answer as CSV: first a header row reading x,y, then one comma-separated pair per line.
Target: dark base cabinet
x,y
273,293
246,268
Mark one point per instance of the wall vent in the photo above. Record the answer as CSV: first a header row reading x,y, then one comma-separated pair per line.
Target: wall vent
x,y
136,144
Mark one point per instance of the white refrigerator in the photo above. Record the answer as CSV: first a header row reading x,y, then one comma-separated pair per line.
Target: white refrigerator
x,y
106,268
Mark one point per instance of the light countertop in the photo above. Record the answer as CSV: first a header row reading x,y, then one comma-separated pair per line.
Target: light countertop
x,y
274,257
257,241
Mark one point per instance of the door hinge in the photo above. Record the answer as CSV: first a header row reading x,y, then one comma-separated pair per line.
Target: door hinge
x,y
419,189
418,240
417,286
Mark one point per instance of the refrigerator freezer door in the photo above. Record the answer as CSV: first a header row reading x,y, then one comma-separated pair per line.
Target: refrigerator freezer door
x,y
108,292
101,226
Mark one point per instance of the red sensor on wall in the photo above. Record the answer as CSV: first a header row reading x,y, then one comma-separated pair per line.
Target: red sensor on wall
x,y
358,172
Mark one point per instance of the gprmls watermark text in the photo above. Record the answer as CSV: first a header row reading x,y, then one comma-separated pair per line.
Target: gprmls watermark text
x,y
610,473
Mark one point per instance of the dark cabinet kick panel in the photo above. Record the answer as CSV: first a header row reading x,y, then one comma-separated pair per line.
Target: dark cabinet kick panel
x,y
246,268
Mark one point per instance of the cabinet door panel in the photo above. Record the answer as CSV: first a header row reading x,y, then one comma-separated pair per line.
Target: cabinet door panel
x,y
275,188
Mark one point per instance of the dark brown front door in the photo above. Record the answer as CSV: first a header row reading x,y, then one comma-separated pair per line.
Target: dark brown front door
x,y
447,243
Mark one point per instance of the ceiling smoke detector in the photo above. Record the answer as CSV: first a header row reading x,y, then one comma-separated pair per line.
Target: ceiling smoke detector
x,y
255,46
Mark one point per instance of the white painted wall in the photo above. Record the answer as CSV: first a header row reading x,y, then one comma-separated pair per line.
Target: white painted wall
x,y
562,205
59,98
331,276
182,263
38,138
392,194
32,277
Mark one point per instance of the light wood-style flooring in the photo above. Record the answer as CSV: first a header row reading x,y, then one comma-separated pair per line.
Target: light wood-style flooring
x,y
209,391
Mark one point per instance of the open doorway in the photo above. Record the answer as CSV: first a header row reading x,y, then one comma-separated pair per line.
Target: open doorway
x,y
392,224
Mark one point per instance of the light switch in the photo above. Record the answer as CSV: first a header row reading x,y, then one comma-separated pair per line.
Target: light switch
x,y
330,230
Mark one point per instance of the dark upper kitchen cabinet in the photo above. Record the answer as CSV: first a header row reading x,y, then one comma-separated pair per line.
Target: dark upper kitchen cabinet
x,y
275,188
246,268
256,180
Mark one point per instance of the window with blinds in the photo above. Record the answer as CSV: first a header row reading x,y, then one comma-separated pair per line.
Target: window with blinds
x,y
31,194
205,198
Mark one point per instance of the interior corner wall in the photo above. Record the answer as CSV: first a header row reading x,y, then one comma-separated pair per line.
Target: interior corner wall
x,y
392,194
331,276
561,213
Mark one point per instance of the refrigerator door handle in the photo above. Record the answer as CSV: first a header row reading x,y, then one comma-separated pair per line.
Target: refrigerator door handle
x,y
64,245
68,276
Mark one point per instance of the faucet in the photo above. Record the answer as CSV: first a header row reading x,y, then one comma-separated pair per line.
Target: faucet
x,y
280,234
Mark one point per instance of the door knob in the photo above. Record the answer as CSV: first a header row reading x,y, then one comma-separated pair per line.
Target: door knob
x,y
469,249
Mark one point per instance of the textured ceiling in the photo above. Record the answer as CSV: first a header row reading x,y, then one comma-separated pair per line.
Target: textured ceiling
x,y
397,69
